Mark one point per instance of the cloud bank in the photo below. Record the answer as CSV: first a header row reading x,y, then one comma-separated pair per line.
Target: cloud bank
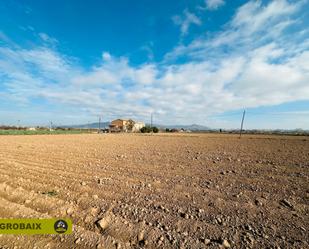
x,y
259,58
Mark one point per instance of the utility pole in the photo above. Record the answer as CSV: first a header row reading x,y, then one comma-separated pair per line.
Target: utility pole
x,y
242,123
99,124
151,120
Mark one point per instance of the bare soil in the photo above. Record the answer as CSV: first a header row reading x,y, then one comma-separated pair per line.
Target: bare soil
x,y
158,191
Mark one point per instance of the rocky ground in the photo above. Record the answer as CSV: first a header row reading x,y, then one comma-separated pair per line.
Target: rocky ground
x,y
158,191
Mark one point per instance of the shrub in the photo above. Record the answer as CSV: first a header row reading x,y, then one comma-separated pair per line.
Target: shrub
x,y
145,129
148,129
155,129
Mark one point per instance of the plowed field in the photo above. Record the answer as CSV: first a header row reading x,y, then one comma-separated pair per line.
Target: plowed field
x,y
158,191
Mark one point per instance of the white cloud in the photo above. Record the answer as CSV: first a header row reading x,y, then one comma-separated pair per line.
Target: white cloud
x,y
106,56
46,38
214,4
145,75
253,15
253,25
186,21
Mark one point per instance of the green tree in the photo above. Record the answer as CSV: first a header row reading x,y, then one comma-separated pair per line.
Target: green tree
x,y
155,129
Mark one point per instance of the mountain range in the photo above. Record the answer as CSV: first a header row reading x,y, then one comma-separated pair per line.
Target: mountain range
x,y
103,125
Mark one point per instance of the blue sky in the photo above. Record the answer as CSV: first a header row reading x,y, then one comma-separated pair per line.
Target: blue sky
x,y
184,61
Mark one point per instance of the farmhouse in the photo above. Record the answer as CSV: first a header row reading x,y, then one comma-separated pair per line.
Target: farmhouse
x,y
125,125
119,125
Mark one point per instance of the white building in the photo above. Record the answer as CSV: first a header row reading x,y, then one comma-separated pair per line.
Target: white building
x,y
137,126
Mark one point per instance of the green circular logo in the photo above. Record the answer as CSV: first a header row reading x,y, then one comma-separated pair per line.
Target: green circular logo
x,y
61,226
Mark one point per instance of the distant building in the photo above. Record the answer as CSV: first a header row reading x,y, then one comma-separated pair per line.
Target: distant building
x,y
138,126
125,125
31,129
118,125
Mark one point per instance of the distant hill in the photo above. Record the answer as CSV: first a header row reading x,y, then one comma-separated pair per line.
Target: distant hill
x,y
193,127
88,126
